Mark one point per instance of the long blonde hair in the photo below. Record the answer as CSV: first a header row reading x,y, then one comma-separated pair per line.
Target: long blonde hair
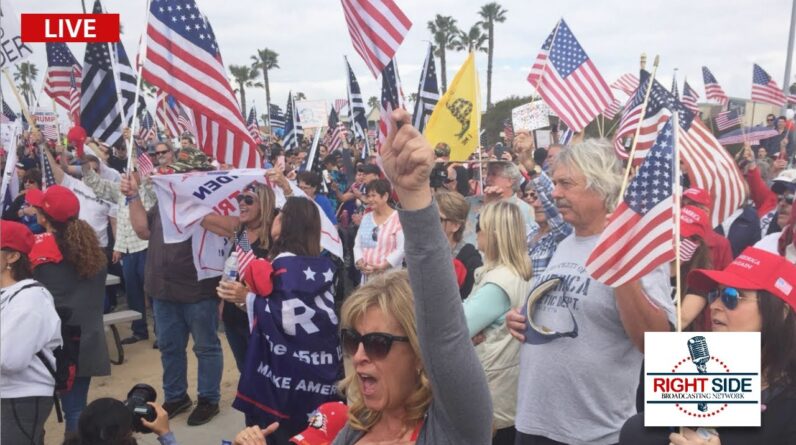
x,y
504,227
390,292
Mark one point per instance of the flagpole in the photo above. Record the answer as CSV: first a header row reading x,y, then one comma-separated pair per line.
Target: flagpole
x,y
22,104
676,196
314,149
141,60
638,127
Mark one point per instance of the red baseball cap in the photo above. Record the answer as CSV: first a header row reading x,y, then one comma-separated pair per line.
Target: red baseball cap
x,y
693,221
324,425
699,196
754,269
58,202
15,236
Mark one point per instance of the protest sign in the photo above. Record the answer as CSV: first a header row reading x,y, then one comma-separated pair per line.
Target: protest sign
x,y
531,116
312,113
12,50
47,121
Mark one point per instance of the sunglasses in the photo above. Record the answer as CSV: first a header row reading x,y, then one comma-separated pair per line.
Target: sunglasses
x,y
375,234
377,344
161,153
729,297
787,197
248,199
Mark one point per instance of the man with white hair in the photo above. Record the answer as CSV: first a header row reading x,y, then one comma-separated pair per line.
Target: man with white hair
x,y
582,349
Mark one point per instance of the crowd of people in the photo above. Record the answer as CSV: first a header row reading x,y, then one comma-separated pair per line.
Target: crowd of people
x,y
461,311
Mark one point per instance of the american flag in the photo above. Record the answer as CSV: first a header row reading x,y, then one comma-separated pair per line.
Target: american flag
x,y
690,97
660,106
713,90
390,99
145,166
127,84
765,89
356,109
254,127
47,177
290,138
245,252
276,117
792,98
508,130
148,129
48,130
183,59
336,132
627,83
339,104
377,28
639,235
566,136
60,64
728,119
613,108
568,81
74,97
8,112
687,249
167,114
427,92
184,120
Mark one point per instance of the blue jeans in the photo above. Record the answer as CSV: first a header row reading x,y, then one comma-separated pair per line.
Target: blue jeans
x,y
175,321
74,401
133,269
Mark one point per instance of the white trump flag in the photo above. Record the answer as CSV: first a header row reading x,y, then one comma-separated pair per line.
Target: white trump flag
x,y
184,199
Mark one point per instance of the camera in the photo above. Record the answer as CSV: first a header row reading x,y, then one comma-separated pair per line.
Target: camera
x,y
439,175
136,402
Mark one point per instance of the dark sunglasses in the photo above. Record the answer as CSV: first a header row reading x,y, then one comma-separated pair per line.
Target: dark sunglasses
x,y
159,153
375,234
248,199
377,344
787,197
729,297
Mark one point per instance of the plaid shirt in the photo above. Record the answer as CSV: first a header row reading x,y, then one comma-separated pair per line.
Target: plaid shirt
x,y
541,247
126,239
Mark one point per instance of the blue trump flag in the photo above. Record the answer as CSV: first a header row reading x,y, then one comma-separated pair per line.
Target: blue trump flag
x,y
294,359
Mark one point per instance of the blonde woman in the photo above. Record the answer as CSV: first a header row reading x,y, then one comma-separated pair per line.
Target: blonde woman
x,y
500,284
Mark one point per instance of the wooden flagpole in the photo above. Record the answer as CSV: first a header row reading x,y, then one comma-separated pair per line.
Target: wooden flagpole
x,y
22,104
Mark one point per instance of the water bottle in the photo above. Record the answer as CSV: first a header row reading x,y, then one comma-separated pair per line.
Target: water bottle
x,y
231,267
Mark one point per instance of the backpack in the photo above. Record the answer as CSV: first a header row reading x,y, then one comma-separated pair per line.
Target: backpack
x,y
66,355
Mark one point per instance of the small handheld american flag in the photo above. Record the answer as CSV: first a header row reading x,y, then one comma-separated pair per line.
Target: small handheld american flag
x,y
245,252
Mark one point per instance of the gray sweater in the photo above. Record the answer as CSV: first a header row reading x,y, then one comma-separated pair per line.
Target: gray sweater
x,y
461,410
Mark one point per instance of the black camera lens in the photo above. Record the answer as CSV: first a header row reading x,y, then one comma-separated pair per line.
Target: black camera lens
x,y
137,403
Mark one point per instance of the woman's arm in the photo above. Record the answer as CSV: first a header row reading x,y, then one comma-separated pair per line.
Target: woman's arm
x,y
221,225
484,307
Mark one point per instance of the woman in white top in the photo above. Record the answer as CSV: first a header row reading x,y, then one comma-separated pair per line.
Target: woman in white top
x,y
29,324
379,245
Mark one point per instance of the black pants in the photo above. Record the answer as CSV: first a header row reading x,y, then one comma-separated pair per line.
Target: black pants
x,y
504,436
22,420
527,439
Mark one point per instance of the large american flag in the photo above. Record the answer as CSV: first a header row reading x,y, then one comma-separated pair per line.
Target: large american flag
x,y
245,252
336,132
377,28
145,166
568,81
276,117
183,59
391,99
427,92
627,83
74,96
290,138
639,235
713,90
60,64
167,113
356,109
690,97
727,119
148,129
765,89
254,127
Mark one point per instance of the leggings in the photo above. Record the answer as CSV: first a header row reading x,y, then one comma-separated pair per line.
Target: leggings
x,y
22,420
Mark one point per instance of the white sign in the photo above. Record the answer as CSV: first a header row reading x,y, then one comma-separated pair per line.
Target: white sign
x,y
531,116
312,113
8,135
702,379
12,50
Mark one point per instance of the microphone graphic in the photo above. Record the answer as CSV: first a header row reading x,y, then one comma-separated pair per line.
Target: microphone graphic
x,y
698,348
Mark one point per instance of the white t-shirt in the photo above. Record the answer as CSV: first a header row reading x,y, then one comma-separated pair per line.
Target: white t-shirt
x,y
770,243
93,210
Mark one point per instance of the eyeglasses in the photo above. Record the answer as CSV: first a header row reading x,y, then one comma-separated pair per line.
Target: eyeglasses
x,y
531,195
248,199
787,197
375,234
161,153
377,344
729,297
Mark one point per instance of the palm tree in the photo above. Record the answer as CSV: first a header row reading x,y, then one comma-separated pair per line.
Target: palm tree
x,y
300,96
413,98
491,13
244,76
266,60
373,101
149,89
443,31
25,77
472,40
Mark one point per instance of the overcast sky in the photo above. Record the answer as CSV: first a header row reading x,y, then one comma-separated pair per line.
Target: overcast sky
x,y
311,38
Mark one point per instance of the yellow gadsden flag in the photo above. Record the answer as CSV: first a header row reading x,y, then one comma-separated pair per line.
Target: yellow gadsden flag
x,y
457,116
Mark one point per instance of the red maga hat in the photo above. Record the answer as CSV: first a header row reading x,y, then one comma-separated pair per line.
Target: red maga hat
x,y
699,196
15,236
58,202
324,425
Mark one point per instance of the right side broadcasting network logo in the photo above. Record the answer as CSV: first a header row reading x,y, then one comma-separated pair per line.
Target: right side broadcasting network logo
x,y
702,379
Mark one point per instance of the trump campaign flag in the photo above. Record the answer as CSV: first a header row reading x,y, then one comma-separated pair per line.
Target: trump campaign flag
x,y
457,116
184,199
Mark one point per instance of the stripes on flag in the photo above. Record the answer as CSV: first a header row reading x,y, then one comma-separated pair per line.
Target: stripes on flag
x,y
336,132
276,117
290,138
147,130
565,77
508,129
627,83
245,252
183,59
377,28
253,126
727,119
427,92
8,112
339,104
61,63
687,249
128,80
74,96
614,108
167,114
690,97
713,90
765,89
391,99
792,98
47,176
145,165
356,109
640,233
